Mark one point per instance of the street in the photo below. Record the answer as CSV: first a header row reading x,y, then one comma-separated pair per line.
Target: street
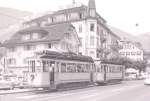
x,y
126,91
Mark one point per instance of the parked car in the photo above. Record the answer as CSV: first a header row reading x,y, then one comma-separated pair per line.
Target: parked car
x,y
6,84
11,82
147,79
130,76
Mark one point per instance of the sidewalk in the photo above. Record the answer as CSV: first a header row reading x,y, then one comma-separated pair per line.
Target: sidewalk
x,y
2,92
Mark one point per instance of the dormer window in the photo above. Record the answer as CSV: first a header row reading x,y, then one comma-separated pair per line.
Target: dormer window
x,y
29,47
31,36
26,37
67,36
80,15
50,20
12,49
35,36
92,13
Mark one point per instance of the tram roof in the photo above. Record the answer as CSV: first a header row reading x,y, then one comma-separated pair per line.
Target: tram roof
x,y
65,56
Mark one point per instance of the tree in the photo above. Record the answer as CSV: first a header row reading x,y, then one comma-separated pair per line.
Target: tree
x,y
128,63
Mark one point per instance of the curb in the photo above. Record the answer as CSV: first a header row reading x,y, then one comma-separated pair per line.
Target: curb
x,y
16,91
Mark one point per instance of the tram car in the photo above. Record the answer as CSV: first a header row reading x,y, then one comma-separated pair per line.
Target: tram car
x,y
108,73
49,69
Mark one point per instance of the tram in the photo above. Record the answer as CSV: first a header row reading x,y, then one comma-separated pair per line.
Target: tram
x,y
49,69
109,73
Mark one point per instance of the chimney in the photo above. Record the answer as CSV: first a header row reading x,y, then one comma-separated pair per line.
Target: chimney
x,y
91,4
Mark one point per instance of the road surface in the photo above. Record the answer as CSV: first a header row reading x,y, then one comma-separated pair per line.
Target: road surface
x,y
126,91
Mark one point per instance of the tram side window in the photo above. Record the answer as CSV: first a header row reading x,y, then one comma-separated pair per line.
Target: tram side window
x,y
57,67
98,68
102,68
71,67
121,69
110,68
106,68
93,68
87,67
83,68
79,67
38,66
63,67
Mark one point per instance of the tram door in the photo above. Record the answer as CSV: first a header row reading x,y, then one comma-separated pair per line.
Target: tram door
x,y
91,73
52,75
105,72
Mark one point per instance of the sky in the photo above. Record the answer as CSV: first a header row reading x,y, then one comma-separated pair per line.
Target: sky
x,y
128,15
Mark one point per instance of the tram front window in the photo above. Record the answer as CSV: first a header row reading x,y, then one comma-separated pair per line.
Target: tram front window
x,y
32,66
45,66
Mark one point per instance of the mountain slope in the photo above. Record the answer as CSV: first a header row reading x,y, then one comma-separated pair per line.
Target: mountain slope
x,y
122,34
10,20
144,39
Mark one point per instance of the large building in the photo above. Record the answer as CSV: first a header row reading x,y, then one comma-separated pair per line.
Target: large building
x,y
91,28
131,50
23,44
61,30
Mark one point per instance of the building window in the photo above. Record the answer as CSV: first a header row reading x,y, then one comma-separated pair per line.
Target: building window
x,y
97,55
92,27
29,47
133,53
138,53
49,45
80,39
12,49
127,53
26,37
80,15
80,28
11,61
74,16
25,61
91,40
35,36
60,18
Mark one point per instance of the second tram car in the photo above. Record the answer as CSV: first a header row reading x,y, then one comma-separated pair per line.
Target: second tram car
x,y
48,69
108,73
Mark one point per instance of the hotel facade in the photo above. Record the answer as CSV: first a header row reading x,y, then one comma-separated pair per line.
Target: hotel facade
x,y
131,50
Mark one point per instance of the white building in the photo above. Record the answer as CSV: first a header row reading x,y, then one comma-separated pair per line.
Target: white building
x,y
131,50
90,26
23,44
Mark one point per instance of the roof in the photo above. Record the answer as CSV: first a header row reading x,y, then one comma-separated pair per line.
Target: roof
x,y
32,29
64,11
50,33
65,56
82,8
